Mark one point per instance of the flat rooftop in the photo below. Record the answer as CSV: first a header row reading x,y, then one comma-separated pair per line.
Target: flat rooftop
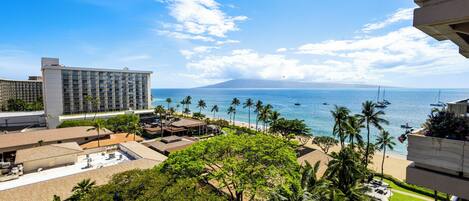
x,y
183,122
97,161
173,145
12,140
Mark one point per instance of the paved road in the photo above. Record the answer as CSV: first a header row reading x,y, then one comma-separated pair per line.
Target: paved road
x,y
412,195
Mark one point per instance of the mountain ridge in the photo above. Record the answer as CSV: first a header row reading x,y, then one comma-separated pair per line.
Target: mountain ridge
x,y
258,83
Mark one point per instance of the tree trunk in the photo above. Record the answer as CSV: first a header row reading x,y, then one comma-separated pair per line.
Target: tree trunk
x,y
382,163
367,143
249,117
234,117
98,138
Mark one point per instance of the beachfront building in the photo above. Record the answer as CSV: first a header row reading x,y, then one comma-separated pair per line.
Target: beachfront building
x,y
445,20
170,144
77,91
27,90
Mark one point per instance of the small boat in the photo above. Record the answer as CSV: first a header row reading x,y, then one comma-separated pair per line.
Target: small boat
x,y
438,102
386,102
297,104
380,104
406,126
325,103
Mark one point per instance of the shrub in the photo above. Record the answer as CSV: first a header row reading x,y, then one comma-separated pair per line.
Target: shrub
x,y
444,124
75,123
198,115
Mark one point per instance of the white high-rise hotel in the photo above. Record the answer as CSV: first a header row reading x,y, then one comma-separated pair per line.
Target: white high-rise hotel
x,y
66,90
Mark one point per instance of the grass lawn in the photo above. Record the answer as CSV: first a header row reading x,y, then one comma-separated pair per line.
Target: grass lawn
x,y
402,197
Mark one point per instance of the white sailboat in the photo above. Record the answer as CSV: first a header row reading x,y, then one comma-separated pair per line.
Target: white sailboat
x,y
379,104
438,102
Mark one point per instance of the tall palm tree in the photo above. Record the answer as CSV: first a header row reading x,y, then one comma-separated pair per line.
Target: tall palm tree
x,y
169,101
201,105
249,104
264,115
188,102
95,104
183,103
340,115
235,102
98,125
231,111
384,140
258,107
274,116
89,100
160,111
214,110
370,115
133,126
354,129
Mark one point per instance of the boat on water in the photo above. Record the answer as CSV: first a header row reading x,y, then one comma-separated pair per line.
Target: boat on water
x,y
297,104
406,126
380,104
438,102
386,102
325,103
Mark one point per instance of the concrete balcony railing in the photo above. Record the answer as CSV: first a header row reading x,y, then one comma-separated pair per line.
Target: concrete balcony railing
x,y
438,154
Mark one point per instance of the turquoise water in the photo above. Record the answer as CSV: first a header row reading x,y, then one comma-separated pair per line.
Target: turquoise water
x,y
408,105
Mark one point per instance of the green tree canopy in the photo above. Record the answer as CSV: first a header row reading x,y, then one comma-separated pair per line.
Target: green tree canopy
x,y
289,128
325,142
243,165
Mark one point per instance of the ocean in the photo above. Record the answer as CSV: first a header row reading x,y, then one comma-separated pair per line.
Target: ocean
x,y
410,106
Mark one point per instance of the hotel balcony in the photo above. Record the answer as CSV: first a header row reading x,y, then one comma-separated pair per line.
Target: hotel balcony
x,y
445,20
439,164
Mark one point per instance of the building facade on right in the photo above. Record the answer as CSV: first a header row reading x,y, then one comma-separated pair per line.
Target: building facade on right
x,y
78,90
442,163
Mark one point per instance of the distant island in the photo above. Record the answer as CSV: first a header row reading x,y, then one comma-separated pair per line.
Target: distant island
x,y
256,83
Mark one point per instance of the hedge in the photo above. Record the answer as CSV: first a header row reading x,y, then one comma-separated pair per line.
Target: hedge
x,y
411,187
75,123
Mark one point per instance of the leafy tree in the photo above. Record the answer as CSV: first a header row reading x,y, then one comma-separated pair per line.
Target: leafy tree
x,y
384,140
120,123
143,185
289,128
214,110
201,105
89,100
198,115
249,104
373,117
244,165
133,126
98,125
325,142
258,106
274,116
340,115
444,124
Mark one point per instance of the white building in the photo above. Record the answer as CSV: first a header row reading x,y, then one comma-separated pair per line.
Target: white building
x,y
108,90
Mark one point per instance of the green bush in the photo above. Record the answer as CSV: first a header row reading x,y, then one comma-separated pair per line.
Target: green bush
x,y
75,123
444,124
411,187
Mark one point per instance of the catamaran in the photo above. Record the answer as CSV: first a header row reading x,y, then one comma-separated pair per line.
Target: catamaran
x,y
438,102
379,104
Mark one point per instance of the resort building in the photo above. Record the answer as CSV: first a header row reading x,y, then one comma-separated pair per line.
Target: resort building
x,y
445,20
170,144
78,90
460,107
27,90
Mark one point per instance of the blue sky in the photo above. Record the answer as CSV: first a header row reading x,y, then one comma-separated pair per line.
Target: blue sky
x,y
189,43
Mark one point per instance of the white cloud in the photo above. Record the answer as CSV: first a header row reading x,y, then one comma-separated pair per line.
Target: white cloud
x,y
188,54
184,36
399,15
229,41
281,49
200,19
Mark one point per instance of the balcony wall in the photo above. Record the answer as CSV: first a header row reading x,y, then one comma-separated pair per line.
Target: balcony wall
x,y
438,154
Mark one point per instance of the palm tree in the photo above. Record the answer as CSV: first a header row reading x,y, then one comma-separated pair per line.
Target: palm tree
x,y
235,102
231,110
188,102
159,110
248,104
274,116
183,103
169,101
257,110
354,129
98,125
340,115
95,104
82,188
384,140
201,105
134,126
89,100
370,115
264,115
214,110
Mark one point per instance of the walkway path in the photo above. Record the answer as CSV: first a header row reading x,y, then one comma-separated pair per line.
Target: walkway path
x,y
411,195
